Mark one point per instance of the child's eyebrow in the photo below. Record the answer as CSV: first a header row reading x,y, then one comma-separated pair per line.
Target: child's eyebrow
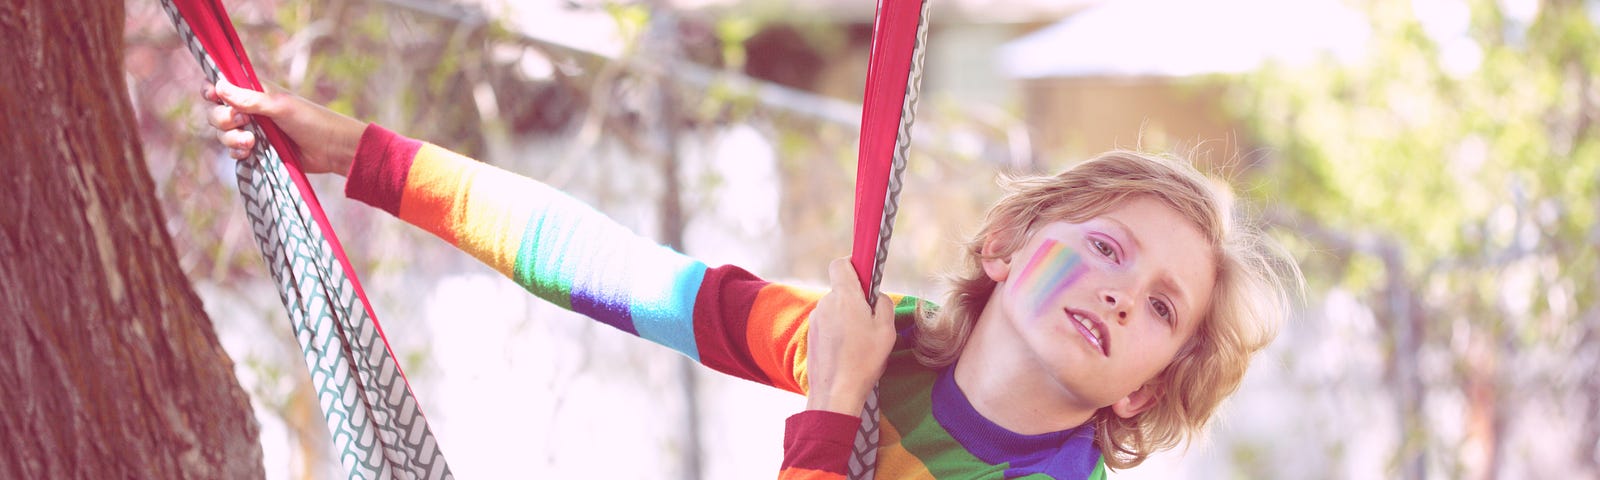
x,y
1125,232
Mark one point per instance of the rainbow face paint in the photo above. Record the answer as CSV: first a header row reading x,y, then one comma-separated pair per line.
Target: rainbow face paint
x,y
1052,269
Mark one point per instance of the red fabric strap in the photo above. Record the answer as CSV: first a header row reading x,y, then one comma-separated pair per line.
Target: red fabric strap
x,y
894,40
209,21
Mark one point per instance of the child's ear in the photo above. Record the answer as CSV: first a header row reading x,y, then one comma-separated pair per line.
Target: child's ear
x,y
1138,401
997,268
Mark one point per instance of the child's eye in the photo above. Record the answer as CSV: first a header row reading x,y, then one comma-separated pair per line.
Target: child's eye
x,y
1103,248
1162,309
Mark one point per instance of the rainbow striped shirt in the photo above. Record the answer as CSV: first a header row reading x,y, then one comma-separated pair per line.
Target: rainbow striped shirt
x,y
723,317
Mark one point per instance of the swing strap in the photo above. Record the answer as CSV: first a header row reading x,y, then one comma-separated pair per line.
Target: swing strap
x,y
894,78
375,422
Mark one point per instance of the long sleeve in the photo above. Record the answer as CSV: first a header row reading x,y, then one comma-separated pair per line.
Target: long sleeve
x,y
565,252
817,445
728,319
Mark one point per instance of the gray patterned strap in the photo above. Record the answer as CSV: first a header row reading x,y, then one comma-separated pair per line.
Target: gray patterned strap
x,y
375,421
864,457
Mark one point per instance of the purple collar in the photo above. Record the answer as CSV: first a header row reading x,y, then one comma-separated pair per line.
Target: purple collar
x,y
1068,453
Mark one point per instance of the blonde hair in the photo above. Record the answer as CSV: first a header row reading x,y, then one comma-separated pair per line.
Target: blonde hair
x,y
1249,300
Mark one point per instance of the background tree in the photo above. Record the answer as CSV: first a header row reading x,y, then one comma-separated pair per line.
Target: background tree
x,y
111,367
1448,180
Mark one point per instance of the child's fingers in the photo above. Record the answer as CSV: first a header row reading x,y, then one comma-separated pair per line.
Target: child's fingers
x,y
224,117
237,139
847,288
841,275
244,99
842,278
885,314
209,93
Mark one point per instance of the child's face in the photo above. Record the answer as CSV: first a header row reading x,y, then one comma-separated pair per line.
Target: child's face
x,y
1104,305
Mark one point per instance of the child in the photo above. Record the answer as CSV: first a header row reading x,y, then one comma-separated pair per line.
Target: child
x,y
1103,313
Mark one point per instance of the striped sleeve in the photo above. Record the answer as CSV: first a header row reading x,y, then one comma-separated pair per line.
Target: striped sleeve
x,y
567,253
817,445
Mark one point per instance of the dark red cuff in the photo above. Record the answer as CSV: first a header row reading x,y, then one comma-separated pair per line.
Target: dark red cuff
x,y
378,173
820,440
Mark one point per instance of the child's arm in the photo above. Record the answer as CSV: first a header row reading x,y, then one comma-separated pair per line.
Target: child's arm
x,y
849,345
565,252
550,243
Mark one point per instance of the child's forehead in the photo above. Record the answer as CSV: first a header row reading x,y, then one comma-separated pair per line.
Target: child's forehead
x,y
1142,211
1047,227
1053,229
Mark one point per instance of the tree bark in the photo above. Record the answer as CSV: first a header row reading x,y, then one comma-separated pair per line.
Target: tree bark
x,y
109,367
665,42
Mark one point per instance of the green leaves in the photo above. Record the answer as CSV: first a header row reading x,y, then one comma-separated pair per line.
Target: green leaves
x,y
1398,145
1484,181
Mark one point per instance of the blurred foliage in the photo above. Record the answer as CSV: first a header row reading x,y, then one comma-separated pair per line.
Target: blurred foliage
x,y
1451,179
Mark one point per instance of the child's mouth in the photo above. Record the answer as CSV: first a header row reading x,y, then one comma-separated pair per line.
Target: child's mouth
x,y
1090,328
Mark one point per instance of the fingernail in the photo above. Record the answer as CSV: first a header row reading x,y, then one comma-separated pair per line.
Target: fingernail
x,y
238,118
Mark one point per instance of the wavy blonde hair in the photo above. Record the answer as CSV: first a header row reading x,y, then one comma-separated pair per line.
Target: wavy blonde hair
x,y
1249,300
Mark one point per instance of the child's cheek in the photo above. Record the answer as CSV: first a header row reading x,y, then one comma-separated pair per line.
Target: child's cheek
x,y
1052,269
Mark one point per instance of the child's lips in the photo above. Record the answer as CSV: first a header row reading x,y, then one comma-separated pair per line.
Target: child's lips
x,y
1092,330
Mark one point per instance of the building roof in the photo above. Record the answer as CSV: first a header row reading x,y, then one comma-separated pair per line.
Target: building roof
x,y
963,11
1176,38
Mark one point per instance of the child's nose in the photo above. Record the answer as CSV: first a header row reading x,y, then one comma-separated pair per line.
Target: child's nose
x,y
1116,304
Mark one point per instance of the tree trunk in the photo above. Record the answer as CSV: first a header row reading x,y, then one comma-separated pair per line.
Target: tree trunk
x,y
109,368
663,42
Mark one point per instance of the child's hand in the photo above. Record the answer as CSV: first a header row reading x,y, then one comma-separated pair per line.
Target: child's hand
x,y
849,344
327,140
